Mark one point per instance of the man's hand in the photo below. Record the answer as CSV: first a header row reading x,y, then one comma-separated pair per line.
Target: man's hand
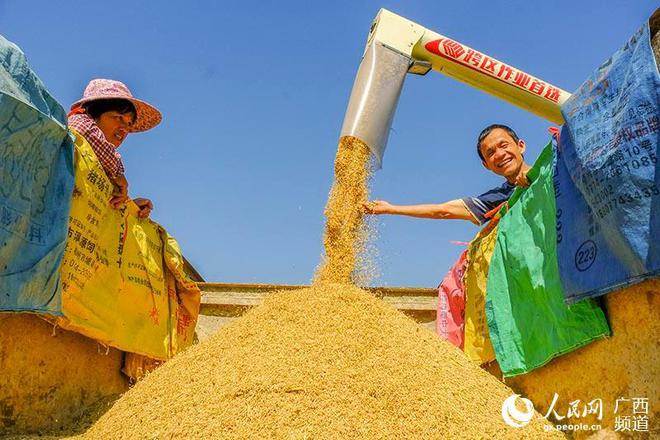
x,y
378,207
145,206
120,194
522,180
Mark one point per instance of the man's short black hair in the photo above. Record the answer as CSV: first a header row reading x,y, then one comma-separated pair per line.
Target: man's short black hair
x,y
99,106
486,131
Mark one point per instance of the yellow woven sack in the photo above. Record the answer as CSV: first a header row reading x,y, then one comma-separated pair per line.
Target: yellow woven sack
x,y
122,276
477,343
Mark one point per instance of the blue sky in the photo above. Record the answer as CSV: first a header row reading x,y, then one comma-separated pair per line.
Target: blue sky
x,y
253,96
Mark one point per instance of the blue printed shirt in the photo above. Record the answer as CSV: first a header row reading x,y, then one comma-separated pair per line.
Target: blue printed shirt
x,y
481,204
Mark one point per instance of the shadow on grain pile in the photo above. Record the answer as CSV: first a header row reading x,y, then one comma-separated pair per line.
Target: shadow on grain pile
x,y
75,429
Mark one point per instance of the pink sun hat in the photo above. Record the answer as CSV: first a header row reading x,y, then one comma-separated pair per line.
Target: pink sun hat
x,y
147,116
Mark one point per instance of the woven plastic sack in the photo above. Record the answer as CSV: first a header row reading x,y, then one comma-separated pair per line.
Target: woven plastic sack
x,y
477,345
608,184
528,320
122,276
450,318
36,179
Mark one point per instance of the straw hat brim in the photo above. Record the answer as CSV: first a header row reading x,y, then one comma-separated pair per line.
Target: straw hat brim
x,y
147,116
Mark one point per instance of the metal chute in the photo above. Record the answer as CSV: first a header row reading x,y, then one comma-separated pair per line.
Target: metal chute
x,y
375,96
396,46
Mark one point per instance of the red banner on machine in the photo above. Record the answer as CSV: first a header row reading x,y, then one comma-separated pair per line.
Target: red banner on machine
x,y
456,52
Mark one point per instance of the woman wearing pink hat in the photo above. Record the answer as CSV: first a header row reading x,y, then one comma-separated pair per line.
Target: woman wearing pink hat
x,y
104,116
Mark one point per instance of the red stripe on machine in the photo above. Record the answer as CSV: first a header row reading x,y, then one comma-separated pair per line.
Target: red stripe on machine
x,y
454,51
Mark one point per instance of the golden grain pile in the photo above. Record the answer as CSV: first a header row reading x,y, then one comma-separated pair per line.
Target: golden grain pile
x,y
328,362
331,361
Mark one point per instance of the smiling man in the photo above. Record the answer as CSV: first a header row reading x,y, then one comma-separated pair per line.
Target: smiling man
x,y
501,151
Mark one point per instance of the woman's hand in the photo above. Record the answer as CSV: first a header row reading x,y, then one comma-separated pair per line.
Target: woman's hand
x,y
145,206
378,207
120,194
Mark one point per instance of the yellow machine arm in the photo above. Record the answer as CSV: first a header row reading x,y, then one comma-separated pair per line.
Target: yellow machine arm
x,y
396,46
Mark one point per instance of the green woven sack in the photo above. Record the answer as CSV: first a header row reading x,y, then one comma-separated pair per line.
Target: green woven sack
x,y
528,321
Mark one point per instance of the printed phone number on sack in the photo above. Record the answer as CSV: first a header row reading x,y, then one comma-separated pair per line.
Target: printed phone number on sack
x,y
624,198
634,164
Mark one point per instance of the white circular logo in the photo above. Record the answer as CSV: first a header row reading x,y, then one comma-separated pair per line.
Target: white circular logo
x,y
512,416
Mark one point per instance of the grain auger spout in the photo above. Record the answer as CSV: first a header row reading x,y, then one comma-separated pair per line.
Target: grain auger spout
x,y
397,46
